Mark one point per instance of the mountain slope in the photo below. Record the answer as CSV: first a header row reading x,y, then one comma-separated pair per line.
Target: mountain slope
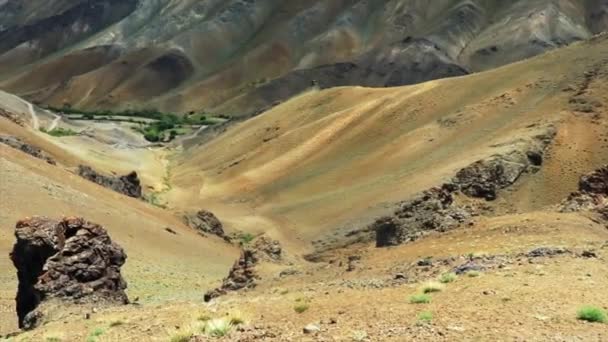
x,y
197,55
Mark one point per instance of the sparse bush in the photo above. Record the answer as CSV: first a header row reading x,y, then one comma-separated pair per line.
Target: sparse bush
x,y
204,318
236,318
300,308
448,278
93,335
59,132
592,314
420,299
52,339
218,327
246,238
425,316
431,287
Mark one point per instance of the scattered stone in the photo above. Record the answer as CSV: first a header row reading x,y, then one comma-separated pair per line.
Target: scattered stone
x,y
242,275
171,231
469,266
70,260
312,329
546,252
128,185
205,222
288,272
33,151
400,276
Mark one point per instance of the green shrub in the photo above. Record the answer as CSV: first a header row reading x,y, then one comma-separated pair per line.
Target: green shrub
x,y
59,132
425,316
420,299
448,278
592,314
473,274
300,308
246,238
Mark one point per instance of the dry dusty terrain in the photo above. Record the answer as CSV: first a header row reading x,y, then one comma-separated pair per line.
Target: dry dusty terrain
x,y
324,163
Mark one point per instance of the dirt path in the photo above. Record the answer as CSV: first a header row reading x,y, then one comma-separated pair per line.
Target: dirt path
x,y
55,122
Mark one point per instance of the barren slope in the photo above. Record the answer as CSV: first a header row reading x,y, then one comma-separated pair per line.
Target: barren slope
x,y
333,159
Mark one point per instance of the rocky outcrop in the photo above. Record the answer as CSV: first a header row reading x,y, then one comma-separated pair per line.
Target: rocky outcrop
x,y
33,151
15,118
242,275
267,248
205,222
592,194
484,178
71,260
436,210
433,210
129,185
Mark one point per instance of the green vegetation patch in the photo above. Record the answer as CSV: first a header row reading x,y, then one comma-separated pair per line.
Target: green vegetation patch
x,y
592,314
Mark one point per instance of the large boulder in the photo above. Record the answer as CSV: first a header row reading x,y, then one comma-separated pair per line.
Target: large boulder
x,y
70,260
129,185
205,222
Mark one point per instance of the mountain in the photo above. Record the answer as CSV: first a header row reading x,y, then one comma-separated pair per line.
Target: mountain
x,y
382,171
238,57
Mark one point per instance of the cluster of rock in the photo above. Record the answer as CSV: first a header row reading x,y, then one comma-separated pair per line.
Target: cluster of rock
x,y
592,193
33,151
205,222
435,209
242,275
129,185
71,260
13,117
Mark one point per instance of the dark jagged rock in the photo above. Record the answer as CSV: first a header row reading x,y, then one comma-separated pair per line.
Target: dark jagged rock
x,y
33,151
433,210
592,194
484,178
71,260
129,185
205,222
242,275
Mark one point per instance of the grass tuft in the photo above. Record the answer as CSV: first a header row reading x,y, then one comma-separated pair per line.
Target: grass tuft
x,y
181,336
218,327
425,316
359,336
432,287
300,308
473,274
448,278
420,299
592,314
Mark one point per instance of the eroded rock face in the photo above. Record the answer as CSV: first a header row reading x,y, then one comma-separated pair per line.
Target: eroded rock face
x,y
33,151
267,248
71,260
205,222
592,193
484,178
433,210
129,185
242,275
